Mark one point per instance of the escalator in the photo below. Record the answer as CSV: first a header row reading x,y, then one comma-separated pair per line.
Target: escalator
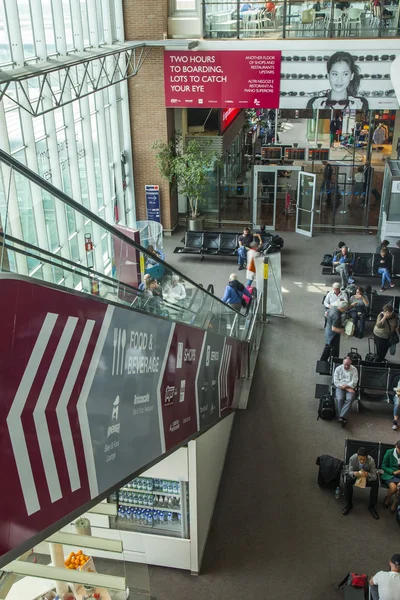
x,y
100,379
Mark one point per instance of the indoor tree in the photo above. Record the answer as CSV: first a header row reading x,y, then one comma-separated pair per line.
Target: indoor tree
x,y
187,166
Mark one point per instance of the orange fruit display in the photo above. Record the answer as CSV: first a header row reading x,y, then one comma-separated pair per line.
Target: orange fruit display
x,y
76,560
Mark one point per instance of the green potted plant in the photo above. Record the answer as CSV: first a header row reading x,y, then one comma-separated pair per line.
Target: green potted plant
x,y
187,166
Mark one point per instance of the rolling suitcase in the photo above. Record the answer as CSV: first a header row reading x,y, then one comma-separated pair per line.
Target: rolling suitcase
x,y
354,355
371,356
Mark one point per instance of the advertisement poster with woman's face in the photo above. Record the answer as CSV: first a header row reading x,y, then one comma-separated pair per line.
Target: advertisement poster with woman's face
x,y
339,80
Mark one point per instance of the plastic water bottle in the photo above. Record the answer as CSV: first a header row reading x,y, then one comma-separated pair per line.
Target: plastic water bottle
x,y
337,493
165,487
170,518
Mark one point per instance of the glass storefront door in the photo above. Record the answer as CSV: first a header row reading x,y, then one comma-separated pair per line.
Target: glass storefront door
x,y
305,203
271,186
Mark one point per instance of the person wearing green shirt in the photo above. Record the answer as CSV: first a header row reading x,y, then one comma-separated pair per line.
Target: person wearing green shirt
x,y
391,475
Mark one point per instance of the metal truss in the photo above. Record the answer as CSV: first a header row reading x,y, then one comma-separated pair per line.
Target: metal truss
x,y
42,87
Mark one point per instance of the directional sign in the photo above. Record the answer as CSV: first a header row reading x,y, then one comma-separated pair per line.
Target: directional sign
x,y
152,193
92,393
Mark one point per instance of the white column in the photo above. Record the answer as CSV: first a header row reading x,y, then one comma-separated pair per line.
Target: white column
x,y
101,124
13,224
116,147
119,20
126,118
70,129
57,560
28,135
50,126
88,144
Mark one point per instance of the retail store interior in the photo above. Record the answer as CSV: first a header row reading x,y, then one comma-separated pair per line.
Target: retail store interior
x,y
284,142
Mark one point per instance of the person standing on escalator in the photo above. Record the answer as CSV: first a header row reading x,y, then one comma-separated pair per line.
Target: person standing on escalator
x,y
234,293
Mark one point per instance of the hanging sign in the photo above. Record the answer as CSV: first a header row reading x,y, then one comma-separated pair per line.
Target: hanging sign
x,y
152,193
222,78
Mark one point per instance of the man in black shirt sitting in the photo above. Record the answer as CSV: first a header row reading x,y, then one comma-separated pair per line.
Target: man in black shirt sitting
x,y
244,244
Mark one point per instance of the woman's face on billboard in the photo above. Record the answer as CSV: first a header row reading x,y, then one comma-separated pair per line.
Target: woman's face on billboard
x,y
340,76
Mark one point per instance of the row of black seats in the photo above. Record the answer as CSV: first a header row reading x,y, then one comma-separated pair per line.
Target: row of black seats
x,y
223,243
366,264
375,377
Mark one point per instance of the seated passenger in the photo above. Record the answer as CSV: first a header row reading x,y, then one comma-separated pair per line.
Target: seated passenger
x,y
361,465
385,267
386,584
396,408
391,476
341,263
345,379
234,293
359,304
334,297
383,244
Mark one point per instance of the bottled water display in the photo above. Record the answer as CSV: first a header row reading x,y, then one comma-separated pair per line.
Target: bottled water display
x,y
150,503
148,517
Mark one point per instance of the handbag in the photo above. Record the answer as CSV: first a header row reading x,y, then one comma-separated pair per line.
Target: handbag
x,y
394,339
349,327
361,482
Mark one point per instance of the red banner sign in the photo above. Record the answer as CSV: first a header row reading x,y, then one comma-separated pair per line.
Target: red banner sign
x,y
220,79
227,116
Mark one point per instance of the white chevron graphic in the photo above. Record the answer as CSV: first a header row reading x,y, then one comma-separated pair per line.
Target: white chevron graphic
x,y
81,406
160,379
61,410
39,414
14,424
223,373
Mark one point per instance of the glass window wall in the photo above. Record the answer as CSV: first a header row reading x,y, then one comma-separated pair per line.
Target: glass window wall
x,y
301,18
32,214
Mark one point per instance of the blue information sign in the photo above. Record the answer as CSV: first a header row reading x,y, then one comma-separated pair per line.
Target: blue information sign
x,y
153,202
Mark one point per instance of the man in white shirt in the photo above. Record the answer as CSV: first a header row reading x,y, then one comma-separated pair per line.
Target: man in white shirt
x,y
345,379
335,296
385,585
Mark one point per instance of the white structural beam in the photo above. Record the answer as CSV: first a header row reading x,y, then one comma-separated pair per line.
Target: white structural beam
x,y
28,569
107,509
85,541
78,74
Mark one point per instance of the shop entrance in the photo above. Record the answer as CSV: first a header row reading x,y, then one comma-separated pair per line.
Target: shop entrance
x,y
274,193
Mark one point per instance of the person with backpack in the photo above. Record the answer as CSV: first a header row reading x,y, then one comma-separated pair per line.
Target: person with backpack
x,y
345,380
234,293
361,466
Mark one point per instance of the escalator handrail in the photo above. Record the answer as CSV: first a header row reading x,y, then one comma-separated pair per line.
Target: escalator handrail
x,y
14,164
112,282
72,266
